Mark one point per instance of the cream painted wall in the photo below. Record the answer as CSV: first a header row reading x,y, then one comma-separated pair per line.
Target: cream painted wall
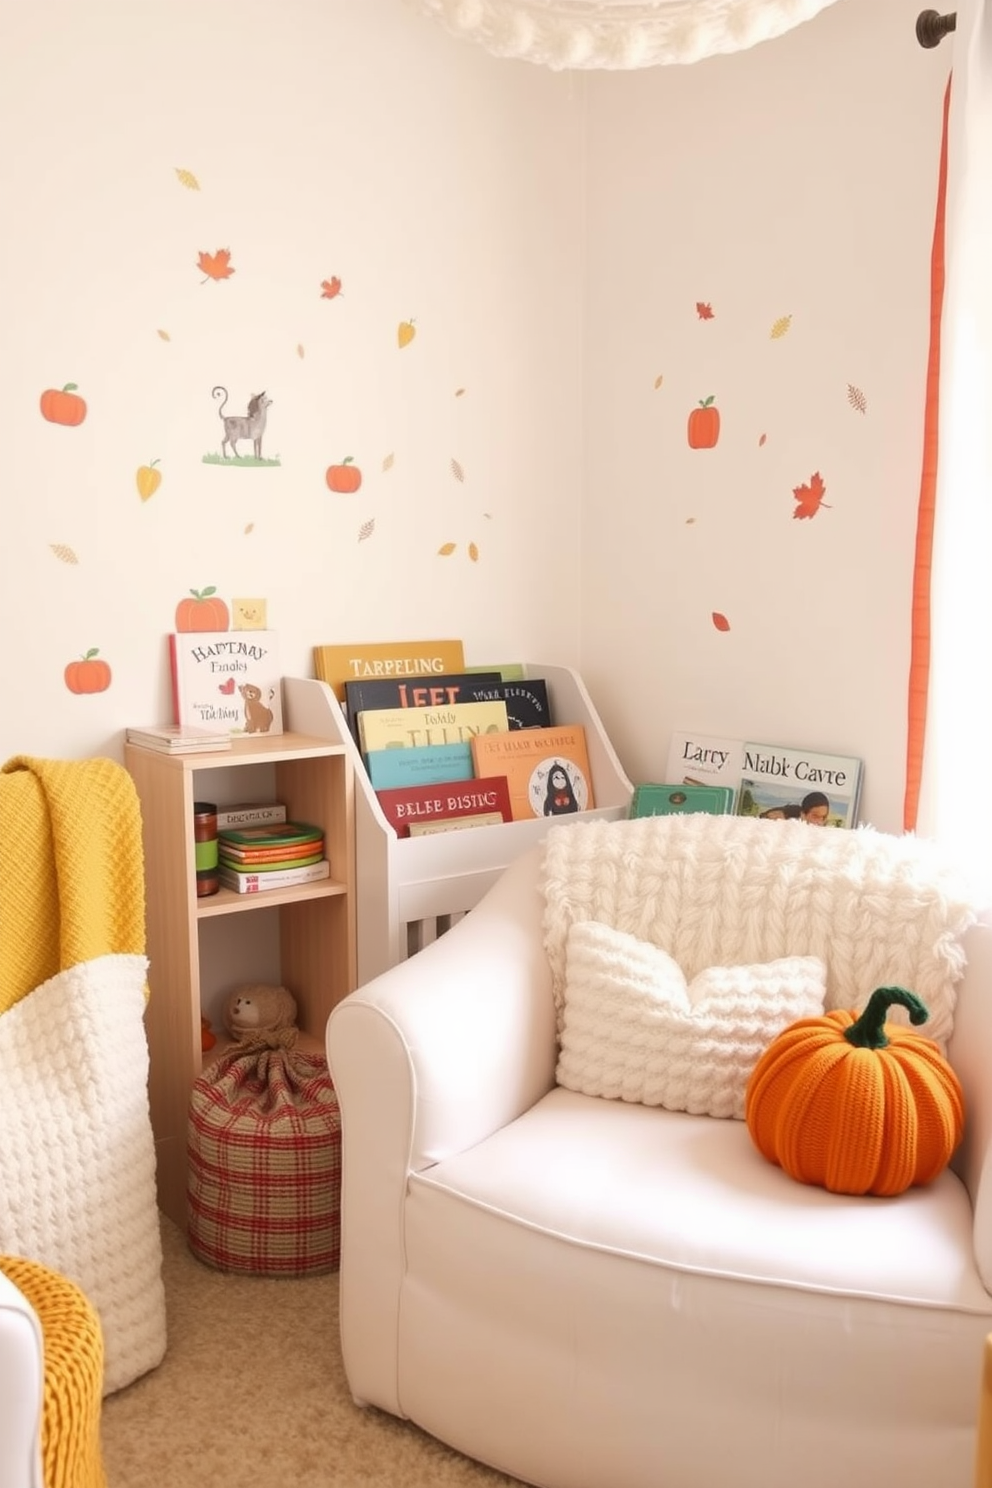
x,y
328,139
797,179
550,235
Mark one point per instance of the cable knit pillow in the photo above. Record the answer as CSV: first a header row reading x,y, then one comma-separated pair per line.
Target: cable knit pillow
x,y
634,1030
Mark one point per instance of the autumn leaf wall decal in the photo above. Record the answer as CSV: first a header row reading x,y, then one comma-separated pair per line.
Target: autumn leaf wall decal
x,y
457,470
704,310
810,497
186,178
215,265
856,398
780,327
366,529
63,553
330,288
720,621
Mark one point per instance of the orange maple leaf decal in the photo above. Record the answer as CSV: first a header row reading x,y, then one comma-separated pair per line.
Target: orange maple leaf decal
x,y
705,312
810,498
216,265
330,287
720,621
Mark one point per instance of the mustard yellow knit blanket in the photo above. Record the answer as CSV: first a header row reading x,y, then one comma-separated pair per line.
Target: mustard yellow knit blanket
x,y
72,883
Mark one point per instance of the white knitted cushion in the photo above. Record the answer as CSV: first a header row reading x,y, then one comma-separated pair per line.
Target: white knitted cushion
x,y
634,1030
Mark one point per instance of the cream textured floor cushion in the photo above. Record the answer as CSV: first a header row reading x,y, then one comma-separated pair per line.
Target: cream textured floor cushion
x,y
589,1292
77,1158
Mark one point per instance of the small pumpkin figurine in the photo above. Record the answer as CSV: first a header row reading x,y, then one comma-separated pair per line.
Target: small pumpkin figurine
x,y
855,1104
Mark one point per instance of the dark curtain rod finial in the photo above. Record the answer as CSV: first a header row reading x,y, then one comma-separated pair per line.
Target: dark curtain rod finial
x,y
931,27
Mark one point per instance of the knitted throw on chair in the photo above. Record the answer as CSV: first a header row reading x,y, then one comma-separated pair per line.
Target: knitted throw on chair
x,y
877,909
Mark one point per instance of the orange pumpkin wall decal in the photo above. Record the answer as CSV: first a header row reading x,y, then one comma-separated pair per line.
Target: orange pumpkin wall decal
x,y
63,405
203,609
704,425
854,1104
345,477
88,674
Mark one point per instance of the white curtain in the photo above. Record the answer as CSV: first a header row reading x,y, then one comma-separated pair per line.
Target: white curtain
x,y
616,34
956,791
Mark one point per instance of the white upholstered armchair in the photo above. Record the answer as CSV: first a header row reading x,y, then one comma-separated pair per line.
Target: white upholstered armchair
x,y
601,1293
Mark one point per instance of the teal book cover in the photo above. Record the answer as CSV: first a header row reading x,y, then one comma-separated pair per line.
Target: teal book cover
x,y
427,764
676,800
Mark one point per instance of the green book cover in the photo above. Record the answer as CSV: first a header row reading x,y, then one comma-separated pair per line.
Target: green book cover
x,y
678,800
279,866
271,834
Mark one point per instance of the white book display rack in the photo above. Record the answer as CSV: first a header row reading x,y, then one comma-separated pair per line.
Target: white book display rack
x,y
411,889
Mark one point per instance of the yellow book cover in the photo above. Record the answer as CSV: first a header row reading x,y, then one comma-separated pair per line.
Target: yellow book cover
x,y
547,769
337,665
410,728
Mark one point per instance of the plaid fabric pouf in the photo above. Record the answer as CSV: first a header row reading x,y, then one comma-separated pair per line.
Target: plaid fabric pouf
x,y
264,1149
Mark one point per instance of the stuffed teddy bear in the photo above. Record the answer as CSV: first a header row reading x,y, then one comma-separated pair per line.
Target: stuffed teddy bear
x,y
257,1010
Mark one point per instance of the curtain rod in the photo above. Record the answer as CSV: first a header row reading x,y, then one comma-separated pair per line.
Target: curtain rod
x,y
931,27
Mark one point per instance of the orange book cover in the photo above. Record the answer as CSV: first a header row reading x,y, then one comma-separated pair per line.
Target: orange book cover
x,y
392,660
547,769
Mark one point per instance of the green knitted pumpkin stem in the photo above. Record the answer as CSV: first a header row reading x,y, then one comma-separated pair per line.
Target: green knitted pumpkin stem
x,y
868,1031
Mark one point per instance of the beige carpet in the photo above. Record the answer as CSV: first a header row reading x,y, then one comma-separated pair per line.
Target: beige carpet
x,y
252,1391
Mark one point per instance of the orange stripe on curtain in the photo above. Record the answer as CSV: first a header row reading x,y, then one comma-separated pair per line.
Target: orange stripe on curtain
x,y
919,662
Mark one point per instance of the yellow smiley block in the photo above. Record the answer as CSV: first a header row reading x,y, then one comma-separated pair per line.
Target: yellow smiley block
x,y
249,614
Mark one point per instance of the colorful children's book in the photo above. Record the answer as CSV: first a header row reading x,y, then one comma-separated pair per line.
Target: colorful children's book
x,y
429,764
526,700
454,824
547,769
675,800
779,782
406,728
702,759
271,834
227,680
434,803
411,692
281,865
337,664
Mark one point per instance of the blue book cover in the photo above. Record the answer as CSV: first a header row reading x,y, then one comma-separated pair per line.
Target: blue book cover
x,y
428,764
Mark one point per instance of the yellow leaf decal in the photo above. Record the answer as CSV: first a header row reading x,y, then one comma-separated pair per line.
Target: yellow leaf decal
x,y
658,380
366,529
446,550
856,398
63,553
249,528
457,471
300,352
387,463
780,326
165,336
187,179
473,552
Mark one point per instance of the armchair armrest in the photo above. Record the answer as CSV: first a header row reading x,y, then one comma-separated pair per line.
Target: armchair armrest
x,y
427,1060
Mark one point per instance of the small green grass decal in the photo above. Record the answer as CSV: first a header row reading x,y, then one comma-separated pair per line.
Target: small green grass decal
x,y
239,460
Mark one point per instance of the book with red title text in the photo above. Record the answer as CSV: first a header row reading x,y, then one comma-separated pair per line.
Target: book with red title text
x,y
547,769
406,805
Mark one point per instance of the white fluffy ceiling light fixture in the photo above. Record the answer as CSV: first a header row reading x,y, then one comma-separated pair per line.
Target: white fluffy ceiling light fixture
x,y
617,34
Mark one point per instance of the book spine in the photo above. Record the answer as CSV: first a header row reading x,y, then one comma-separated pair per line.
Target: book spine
x,y
306,852
229,817
254,883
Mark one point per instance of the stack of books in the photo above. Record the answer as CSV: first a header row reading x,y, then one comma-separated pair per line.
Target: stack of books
x,y
271,855
177,738
447,746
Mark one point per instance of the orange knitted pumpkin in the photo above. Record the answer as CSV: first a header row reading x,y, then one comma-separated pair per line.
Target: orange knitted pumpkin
x,y
855,1104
